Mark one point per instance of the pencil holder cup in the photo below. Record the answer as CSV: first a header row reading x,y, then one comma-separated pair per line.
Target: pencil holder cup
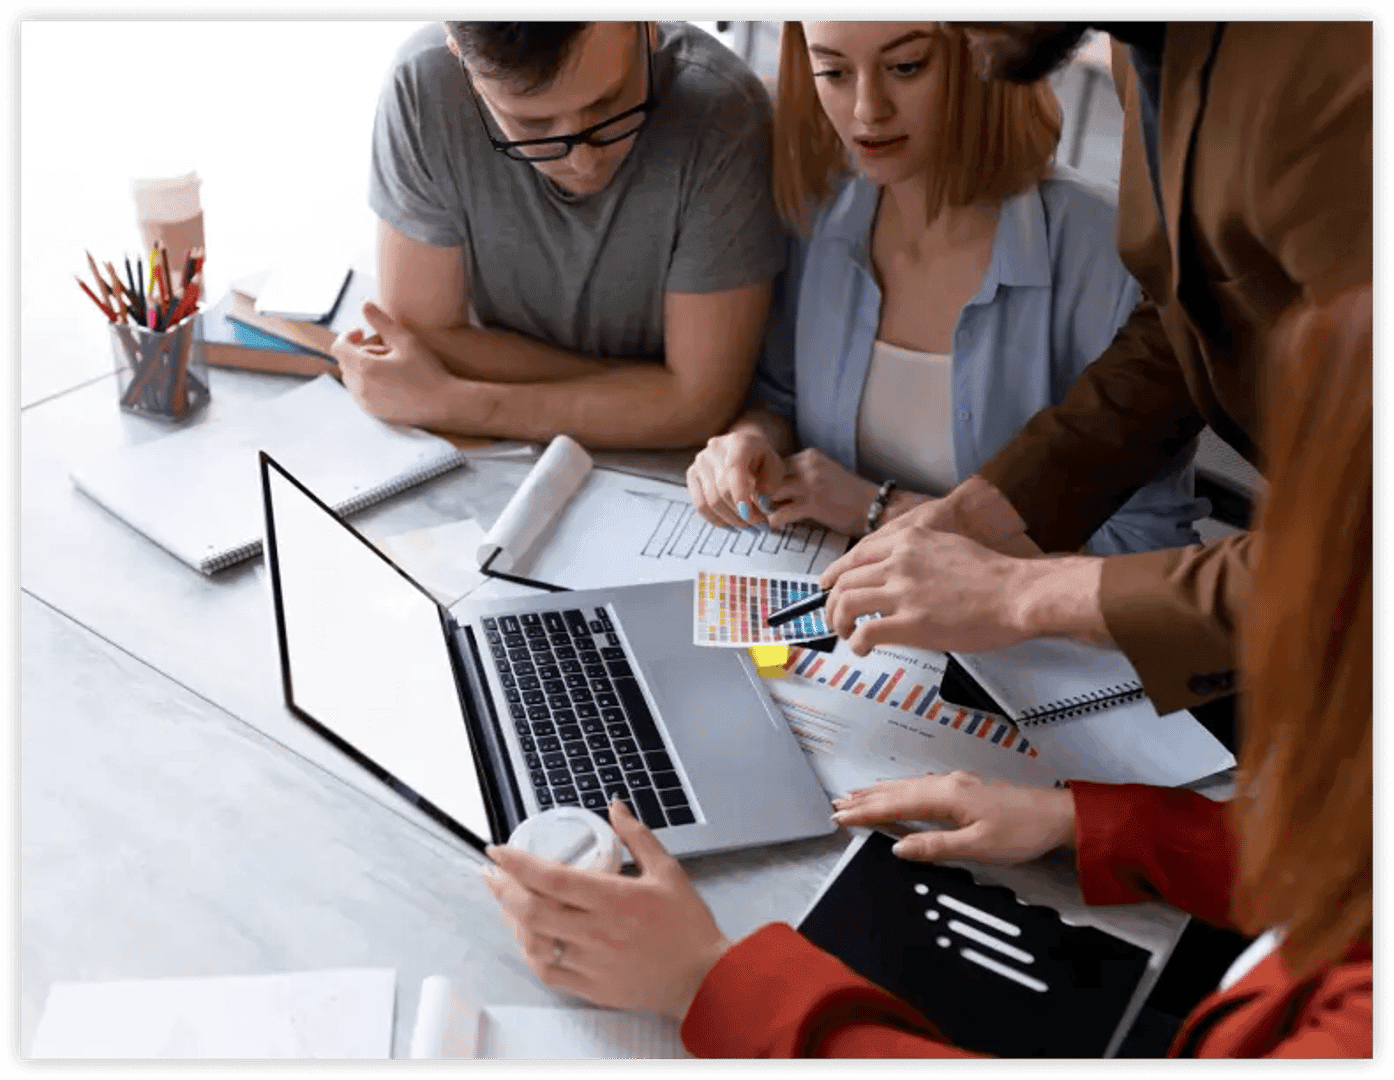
x,y
162,374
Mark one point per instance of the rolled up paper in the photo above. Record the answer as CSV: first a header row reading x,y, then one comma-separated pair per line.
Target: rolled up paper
x,y
561,469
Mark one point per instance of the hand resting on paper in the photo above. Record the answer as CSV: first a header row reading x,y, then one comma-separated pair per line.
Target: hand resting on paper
x,y
728,479
991,822
742,470
396,377
817,488
643,942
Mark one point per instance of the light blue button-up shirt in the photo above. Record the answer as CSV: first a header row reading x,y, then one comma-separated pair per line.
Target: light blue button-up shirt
x,y
1054,294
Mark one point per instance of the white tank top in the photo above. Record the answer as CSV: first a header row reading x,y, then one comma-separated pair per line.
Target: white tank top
x,y
1259,950
905,424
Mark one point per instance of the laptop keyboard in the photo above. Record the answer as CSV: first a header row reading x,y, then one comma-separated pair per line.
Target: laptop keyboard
x,y
584,727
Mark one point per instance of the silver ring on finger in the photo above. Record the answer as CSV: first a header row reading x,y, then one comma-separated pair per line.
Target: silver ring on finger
x,y
558,951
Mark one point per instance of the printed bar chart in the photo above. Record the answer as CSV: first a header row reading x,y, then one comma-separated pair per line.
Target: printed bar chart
x,y
879,685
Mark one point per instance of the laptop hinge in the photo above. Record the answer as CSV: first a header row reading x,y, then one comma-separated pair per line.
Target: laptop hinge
x,y
498,781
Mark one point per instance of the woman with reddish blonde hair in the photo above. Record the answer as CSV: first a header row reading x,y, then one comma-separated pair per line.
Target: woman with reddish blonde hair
x,y
949,282
1289,859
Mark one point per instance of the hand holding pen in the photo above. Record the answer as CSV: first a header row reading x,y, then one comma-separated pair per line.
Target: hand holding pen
x,y
799,608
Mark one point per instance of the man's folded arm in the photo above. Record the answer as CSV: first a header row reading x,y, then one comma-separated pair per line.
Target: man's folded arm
x,y
510,386
711,341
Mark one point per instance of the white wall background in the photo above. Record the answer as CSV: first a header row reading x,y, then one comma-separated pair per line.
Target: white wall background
x,y
275,117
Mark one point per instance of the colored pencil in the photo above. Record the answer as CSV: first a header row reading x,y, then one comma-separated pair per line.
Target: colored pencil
x,y
186,304
119,292
111,315
101,283
169,280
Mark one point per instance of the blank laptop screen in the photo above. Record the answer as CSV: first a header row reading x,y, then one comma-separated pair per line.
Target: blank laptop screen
x,y
368,657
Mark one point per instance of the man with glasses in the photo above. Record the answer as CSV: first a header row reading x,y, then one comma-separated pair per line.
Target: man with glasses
x,y
576,234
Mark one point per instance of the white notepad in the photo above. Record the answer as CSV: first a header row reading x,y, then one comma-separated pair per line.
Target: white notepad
x,y
308,290
315,1014
197,493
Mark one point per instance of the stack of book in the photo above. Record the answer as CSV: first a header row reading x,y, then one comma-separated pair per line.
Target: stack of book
x,y
249,329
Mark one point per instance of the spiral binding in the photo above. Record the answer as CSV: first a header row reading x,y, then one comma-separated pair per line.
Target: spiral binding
x,y
1071,707
350,506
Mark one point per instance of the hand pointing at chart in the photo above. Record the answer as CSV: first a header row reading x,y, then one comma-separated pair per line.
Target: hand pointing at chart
x,y
940,590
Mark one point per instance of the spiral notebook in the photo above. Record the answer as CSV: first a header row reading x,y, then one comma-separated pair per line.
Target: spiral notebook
x,y
1089,713
1049,679
197,494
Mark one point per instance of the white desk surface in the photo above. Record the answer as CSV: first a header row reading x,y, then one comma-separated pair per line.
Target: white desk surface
x,y
178,820
183,821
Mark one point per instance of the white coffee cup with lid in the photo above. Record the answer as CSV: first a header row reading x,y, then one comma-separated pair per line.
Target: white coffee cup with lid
x,y
571,836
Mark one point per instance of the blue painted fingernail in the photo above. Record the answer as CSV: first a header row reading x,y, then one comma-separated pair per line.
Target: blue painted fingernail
x,y
765,503
743,508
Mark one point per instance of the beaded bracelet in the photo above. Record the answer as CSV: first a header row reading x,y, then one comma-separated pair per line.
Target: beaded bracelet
x,y
878,505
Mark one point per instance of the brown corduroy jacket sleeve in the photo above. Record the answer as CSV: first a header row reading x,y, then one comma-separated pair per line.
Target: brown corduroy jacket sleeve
x,y
1266,175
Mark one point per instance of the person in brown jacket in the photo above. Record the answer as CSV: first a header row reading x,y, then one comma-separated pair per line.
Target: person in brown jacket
x,y
1245,185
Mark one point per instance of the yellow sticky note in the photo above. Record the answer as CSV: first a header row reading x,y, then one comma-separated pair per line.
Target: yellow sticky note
x,y
770,659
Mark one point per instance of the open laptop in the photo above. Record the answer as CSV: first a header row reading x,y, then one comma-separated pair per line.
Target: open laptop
x,y
484,714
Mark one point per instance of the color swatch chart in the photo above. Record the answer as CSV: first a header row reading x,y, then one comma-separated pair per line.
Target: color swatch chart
x,y
895,689
731,609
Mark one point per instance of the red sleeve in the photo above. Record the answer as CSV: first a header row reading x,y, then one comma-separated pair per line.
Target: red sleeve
x,y
775,994
1136,843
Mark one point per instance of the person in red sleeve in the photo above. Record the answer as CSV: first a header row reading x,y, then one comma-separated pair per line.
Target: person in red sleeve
x,y
1290,858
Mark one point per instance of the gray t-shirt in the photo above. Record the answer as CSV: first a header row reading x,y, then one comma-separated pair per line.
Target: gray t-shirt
x,y
689,211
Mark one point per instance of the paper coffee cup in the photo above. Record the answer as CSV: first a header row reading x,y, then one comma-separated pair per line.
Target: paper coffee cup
x,y
167,200
169,213
571,836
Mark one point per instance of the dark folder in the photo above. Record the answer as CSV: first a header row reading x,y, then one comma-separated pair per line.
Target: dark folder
x,y
994,974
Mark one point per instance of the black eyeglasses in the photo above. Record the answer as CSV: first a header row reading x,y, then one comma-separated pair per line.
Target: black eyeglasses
x,y
606,133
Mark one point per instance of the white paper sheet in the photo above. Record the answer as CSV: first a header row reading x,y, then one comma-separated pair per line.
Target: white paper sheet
x,y
517,1031
440,559
316,1014
621,529
452,1023
854,741
1132,744
1126,744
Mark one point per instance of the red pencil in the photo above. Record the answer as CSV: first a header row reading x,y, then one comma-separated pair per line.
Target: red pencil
x,y
111,315
186,304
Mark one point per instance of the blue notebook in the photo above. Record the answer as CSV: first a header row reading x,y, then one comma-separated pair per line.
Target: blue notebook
x,y
229,343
